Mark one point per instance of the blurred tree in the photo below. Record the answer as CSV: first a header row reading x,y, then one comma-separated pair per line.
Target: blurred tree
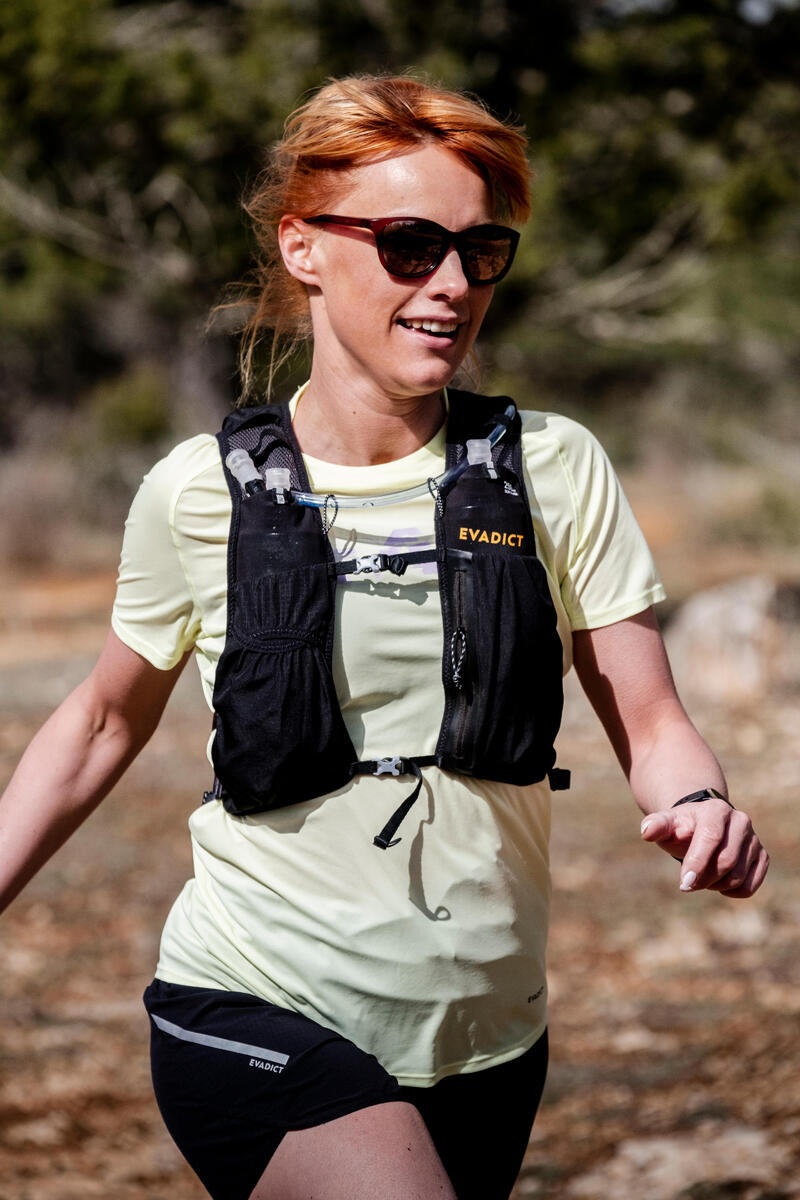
x,y
126,134
665,136
673,167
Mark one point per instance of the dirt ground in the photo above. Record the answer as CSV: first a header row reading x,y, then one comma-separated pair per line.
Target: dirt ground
x,y
674,1019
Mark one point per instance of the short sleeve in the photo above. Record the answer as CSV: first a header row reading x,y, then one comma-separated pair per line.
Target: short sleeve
x,y
155,612
611,574
594,549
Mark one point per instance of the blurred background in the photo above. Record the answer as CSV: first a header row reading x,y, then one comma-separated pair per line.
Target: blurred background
x,y
655,297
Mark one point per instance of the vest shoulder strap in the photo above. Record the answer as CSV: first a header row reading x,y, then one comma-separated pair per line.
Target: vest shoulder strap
x,y
266,433
473,415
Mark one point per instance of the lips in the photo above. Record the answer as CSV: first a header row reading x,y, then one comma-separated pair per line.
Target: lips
x,y
437,328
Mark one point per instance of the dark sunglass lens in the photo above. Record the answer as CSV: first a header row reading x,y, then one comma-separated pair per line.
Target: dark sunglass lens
x,y
410,250
488,256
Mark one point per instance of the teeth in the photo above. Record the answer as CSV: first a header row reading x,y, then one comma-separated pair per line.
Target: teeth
x,y
433,326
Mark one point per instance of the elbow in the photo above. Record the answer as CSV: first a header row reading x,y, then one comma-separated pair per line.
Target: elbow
x,y
116,731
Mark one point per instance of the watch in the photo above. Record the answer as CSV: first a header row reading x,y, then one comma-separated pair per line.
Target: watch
x,y
704,794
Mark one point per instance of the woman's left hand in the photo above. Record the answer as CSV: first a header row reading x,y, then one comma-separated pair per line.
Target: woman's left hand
x,y
625,673
718,845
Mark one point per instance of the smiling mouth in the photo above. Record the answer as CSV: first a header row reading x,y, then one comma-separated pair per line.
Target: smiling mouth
x,y
441,329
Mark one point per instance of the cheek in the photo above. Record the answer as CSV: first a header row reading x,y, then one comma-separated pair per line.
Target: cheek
x,y
484,300
481,299
358,284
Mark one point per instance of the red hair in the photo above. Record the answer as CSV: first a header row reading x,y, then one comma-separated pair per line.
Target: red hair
x,y
348,123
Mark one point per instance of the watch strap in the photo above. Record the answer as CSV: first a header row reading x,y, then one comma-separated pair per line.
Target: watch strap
x,y
708,793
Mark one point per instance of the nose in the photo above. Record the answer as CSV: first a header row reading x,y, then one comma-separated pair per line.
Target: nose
x,y
449,279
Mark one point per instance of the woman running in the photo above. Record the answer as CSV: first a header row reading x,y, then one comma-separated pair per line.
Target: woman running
x,y
382,581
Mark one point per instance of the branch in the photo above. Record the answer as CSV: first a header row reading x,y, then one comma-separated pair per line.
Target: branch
x,y
608,306
651,331
91,238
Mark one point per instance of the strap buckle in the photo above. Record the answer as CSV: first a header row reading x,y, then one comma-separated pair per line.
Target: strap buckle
x,y
388,766
370,564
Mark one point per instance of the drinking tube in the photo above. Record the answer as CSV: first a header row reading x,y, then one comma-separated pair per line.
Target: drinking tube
x,y
422,489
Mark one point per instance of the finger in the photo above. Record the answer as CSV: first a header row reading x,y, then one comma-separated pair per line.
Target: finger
x,y
732,872
671,830
676,826
709,839
658,826
754,879
729,865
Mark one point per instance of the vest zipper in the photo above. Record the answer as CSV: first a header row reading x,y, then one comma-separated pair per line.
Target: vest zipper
x,y
459,659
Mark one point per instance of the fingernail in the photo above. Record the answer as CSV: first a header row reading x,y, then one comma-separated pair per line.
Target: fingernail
x,y
688,881
646,823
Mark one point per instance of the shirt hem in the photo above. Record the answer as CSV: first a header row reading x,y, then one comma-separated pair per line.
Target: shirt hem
x,y
471,1065
420,1079
153,656
629,608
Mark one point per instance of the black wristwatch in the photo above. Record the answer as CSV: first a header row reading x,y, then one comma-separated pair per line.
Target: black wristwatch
x,y
703,794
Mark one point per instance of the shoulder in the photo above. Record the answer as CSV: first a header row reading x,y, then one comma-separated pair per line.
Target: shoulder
x,y
170,523
559,433
190,472
187,462
564,458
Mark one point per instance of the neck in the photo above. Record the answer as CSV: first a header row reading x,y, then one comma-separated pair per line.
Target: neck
x,y
366,428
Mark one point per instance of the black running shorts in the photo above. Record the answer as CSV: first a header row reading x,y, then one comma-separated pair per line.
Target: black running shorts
x,y
233,1073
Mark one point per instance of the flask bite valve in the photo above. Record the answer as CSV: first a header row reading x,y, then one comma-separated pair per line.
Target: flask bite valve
x,y
244,471
279,478
479,452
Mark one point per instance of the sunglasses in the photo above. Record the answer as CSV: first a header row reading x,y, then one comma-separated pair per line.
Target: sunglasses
x,y
412,248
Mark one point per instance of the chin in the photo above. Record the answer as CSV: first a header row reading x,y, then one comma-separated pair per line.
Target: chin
x,y
431,380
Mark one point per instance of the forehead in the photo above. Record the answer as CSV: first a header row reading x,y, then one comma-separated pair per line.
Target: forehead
x,y
427,182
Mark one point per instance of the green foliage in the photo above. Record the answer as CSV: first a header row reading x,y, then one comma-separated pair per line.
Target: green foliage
x,y
133,408
771,518
666,143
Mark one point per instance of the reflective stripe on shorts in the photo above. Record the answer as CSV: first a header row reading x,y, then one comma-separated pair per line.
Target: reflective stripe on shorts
x,y
218,1043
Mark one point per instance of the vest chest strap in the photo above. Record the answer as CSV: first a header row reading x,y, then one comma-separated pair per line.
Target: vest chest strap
x,y
397,765
372,564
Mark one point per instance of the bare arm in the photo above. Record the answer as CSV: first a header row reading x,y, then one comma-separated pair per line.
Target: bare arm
x,y
77,757
625,673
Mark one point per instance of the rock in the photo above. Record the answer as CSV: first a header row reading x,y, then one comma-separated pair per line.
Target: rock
x,y
46,1132
681,942
736,642
669,1168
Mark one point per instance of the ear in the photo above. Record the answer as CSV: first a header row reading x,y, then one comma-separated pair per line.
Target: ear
x,y
296,241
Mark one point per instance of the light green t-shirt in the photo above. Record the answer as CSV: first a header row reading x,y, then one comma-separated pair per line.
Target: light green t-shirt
x,y
431,955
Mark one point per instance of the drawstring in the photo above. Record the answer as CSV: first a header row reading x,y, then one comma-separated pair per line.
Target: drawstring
x,y
436,492
458,652
327,521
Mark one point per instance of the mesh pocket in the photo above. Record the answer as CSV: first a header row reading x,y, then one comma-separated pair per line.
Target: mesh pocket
x,y
280,737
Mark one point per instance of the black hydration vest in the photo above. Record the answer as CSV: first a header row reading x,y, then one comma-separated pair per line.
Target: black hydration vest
x,y
280,737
